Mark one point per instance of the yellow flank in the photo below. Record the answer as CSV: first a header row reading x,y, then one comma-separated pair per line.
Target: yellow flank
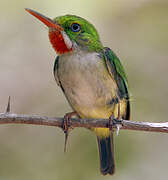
x,y
105,113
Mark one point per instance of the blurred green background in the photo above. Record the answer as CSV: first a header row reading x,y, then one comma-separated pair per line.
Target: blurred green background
x,y
137,31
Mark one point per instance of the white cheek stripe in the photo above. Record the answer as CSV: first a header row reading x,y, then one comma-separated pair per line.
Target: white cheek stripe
x,y
67,41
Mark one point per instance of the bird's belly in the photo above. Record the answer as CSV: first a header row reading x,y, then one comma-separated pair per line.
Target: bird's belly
x,y
88,88
88,98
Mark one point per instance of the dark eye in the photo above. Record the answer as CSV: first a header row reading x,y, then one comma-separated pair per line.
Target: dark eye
x,y
75,27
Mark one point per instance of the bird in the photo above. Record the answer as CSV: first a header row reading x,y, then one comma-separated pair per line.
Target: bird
x,y
91,77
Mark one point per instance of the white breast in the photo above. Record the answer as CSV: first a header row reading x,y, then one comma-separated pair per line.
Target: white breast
x,y
84,79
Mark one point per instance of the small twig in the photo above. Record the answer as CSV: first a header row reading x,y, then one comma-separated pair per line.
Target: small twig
x,y
10,118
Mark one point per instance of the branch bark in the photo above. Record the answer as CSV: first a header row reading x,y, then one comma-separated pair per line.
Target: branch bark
x,y
10,118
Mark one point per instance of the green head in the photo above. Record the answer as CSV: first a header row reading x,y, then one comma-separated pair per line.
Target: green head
x,y
69,32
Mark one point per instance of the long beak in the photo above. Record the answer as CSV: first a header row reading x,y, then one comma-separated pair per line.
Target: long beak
x,y
47,21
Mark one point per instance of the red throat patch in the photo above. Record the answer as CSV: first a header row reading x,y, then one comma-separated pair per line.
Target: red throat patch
x,y
58,43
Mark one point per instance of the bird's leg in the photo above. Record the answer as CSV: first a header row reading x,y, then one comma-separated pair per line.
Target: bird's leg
x,y
119,118
119,110
116,121
111,122
66,125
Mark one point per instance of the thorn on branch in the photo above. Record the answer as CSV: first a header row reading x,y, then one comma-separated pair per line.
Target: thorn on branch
x,y
118,126
8,105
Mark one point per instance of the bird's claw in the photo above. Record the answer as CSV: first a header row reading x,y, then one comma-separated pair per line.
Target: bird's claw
x,y
118,120
66,123
110,123
66,126
114,122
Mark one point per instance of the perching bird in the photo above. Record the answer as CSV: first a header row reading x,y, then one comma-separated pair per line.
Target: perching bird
x,y
91,77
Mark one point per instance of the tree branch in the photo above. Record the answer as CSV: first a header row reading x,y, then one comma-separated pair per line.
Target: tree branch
x,y
10,118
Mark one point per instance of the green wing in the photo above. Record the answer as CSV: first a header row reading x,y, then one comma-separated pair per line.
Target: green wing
x,y
55,71
116,70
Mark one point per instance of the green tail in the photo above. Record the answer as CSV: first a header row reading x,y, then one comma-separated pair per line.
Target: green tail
x,y
106,154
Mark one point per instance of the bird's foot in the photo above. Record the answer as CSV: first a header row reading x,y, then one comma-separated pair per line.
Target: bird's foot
x,y
114,122
111,122
67,125
118,123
